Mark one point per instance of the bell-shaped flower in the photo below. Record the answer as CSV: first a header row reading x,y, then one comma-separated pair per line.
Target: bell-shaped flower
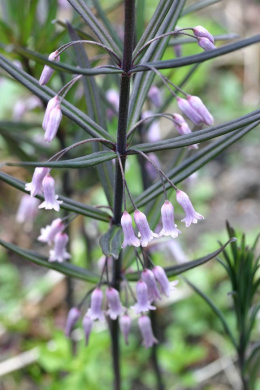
x,y
206,44
87,323
27,209
125,323
169,227
55,101
191,216
35,187
155,96
72,318
202,32
143,303
146,233
95,311
153,292
129,234
50,202
189,111
52,123
47,70
145,327
165,286
49,232
114,303
59,253
198,105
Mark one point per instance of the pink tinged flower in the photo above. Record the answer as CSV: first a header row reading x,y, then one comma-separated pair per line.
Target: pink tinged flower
x,y
72,319
113,98
146,233
114,303
47,70
189,111
95,312
153,132
198,105
50,106
145,327
191,216
35,187
53,123
49,232
169,227
50,202
155,96
183,129
27,209
125,326
143,303
162,279
202,32
206,44
129,234
59,252
87,326
153,292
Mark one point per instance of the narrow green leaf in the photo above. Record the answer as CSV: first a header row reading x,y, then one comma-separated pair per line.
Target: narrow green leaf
x,y
140,19
111,242
67,269
198,6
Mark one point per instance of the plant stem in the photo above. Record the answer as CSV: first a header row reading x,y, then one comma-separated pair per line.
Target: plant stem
x,y
121,149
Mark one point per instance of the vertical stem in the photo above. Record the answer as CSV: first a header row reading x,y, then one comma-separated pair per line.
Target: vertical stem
x,y
121,148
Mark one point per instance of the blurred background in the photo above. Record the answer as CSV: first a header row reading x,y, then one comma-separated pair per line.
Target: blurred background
x,y
34,302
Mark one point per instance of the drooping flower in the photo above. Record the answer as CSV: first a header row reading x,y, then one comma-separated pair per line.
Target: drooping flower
x,y
153,133
52,103
165,286
95,311
114,303
198,105
113,98
72,318
35,187
49,232
155,96
47,70
87,323
129,234
149,279
143,303
169,227
191,215
52,123
27,209
59,253
125,326
189,111
206,44
50,202
146,233
145,327
202,32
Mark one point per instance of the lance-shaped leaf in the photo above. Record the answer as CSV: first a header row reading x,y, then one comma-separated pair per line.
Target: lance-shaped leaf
x,y
68,204
111,242
67,269
198,6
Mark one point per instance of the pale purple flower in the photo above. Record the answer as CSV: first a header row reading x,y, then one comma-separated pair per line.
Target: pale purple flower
x,y
50,202
95,312
52,103
153,132
146,233
59,253
155,96
169,227
189,111
153,292
206,44
113,97
202,32
49,232
183,129
72,318
150,169
143,303
191,216
177,50
125,326
52,123
47,70
87,323
35,187
114,303
198,105
129,234
145,327
162,279
27,209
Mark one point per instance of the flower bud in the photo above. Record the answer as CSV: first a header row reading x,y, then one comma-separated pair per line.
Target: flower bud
x,y
125,326
95,311
47,70
72,319
52,103
201,32
87,326
155,96
145,327
52,123
206,44
189,111
153,292
198,105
